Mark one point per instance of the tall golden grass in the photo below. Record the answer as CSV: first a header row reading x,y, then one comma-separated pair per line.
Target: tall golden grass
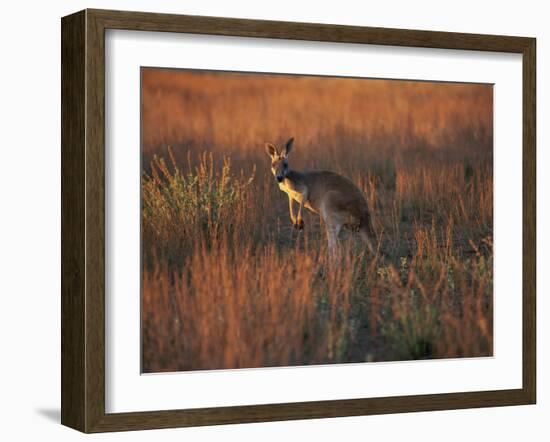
x,y
227,282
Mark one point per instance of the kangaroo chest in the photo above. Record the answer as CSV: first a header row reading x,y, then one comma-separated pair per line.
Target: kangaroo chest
x,y
291,190
295,192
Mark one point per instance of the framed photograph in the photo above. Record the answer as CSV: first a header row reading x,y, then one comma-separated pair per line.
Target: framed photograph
x,y
269,220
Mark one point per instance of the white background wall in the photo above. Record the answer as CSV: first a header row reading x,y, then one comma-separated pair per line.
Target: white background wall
x,y
30,217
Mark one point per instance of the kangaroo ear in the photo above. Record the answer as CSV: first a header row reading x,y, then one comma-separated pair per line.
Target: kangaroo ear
x,y
270,149
288,146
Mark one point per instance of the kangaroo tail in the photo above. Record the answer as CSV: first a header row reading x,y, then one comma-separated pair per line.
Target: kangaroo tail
x,y
366,225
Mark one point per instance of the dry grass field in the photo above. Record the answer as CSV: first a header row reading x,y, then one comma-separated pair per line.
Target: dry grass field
x,y
226,280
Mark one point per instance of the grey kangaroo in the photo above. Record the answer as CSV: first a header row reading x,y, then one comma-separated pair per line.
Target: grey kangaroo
x,y
335,198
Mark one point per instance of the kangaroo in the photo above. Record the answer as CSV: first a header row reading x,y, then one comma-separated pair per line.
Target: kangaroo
x,y
335,198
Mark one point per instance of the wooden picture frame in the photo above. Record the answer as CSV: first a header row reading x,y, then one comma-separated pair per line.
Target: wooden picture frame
x,y
83,220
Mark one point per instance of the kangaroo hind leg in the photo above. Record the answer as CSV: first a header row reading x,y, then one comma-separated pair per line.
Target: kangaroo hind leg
x,y
333,230
333,221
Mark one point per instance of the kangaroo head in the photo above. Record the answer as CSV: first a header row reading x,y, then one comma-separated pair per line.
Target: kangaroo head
x,y
279,159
